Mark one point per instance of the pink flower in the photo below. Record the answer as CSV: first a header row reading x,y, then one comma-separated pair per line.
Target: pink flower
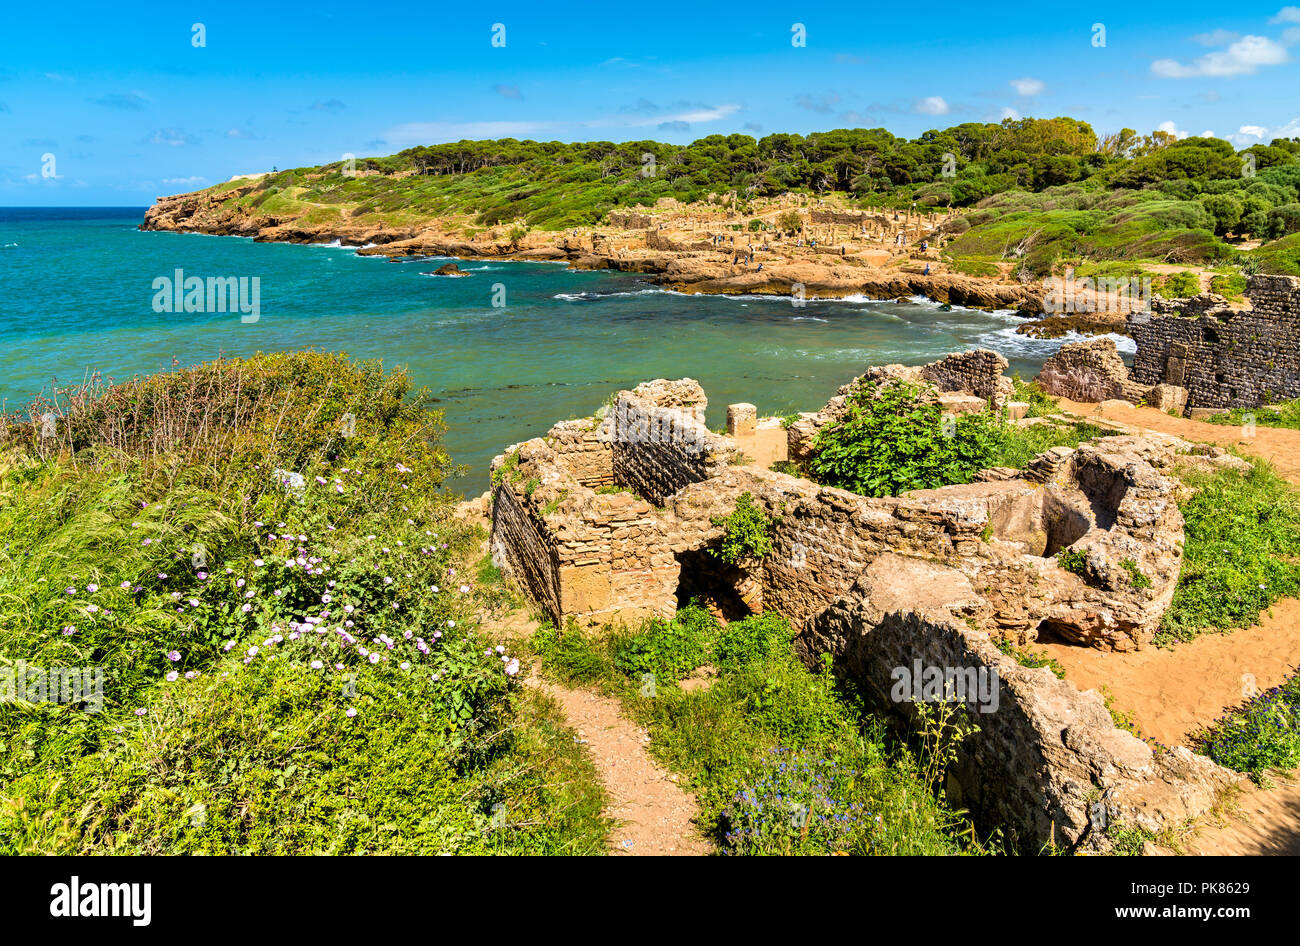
x,y
174,656
350,713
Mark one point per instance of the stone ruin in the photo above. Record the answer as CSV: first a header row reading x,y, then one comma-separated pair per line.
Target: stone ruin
x,y
1200,352
611,519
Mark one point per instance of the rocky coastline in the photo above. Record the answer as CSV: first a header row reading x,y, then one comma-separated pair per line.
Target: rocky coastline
x,y
687,269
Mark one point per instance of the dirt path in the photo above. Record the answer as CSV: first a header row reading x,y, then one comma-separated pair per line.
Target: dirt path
x,y
655,815
1267,821
1172,693
1278,446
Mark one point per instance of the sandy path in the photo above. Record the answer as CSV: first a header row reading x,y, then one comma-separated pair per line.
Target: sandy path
x,y
1171,693
1276,445
655,815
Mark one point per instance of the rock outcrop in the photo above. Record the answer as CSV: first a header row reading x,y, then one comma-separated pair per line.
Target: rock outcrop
x,y
1091,371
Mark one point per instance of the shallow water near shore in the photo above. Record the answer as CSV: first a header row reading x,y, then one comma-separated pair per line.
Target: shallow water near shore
x,y
77,296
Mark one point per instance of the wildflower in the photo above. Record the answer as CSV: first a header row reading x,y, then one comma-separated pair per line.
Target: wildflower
x,y
316,665
258,562
464,589
141,711
70,590
500,649
93,588
252,651
191,674
512,668
374,658
246,608
350,713
92,608
174,656
69,630
405,665
126,585
171,677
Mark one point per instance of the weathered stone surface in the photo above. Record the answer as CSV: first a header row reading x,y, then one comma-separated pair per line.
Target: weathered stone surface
x,y
742,419
1224,356
1048,764
1167,397
1090,370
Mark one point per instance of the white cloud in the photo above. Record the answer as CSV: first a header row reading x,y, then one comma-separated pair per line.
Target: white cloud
x,y
1286,15
185,181
1028,86
1170,128
1215,38
702,114
1244,57
239,133
1011,113
1254,131
933,105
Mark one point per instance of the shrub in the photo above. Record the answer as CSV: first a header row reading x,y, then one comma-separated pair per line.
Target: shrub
x,y
746,533
1261,735
891,440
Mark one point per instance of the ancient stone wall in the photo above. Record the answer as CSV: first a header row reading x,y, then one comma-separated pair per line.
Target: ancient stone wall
x,y
659,442
1048,763
979,371
583,449
630,220
524,548
1225,357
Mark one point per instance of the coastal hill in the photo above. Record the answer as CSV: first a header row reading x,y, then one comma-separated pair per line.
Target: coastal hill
x,y
976,214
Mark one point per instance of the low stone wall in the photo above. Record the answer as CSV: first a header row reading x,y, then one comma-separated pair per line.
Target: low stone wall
x,y
979,371
659,441
1048,764
1225,357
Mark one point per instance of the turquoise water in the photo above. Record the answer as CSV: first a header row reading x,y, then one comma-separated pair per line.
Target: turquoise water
x,y
76,295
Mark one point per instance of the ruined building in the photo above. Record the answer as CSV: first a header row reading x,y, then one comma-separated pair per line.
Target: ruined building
x,y
613,518
1224,356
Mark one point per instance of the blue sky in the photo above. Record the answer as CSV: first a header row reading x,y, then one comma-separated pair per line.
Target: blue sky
x,y
129,108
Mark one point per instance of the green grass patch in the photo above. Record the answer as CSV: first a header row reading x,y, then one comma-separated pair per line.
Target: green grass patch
x,y
1241,552
781,759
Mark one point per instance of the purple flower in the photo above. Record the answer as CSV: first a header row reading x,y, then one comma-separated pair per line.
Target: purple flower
x,y
174,655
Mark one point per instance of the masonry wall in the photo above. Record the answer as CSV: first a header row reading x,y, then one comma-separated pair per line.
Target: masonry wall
x,y
525,550
978,371
1232,358
660,448
1048,764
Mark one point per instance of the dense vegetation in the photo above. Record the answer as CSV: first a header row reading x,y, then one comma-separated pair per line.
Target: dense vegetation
x,y
259,558
892,438
781,759
1045,192
1241,552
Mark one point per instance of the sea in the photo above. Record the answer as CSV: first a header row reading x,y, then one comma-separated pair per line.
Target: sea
x,y
506,350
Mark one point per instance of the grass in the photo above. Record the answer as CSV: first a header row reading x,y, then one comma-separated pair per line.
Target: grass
x,y
781,760
278,676
1285,414
1241,552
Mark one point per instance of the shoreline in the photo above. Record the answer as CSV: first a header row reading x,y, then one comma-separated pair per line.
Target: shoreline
x,y
689,270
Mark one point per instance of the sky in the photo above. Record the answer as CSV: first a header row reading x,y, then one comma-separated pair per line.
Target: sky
x,y
115,104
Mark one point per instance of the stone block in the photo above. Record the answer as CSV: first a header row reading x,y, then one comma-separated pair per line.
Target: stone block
x,y
742,419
